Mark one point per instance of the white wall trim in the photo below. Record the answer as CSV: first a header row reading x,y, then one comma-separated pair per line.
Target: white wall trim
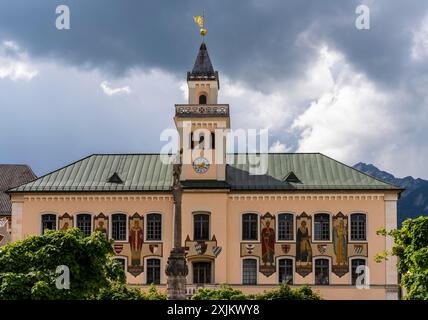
x,y
391,274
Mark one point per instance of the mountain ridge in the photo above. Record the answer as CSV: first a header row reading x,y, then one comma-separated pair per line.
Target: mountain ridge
x,y
413,201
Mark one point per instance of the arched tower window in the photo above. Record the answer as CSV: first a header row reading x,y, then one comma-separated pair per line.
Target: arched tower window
x,y
202,99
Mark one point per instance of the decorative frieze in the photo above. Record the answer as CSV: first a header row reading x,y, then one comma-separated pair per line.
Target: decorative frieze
x,y
272,197
99,198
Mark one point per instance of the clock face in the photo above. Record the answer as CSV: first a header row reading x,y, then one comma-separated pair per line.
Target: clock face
x,y
201,165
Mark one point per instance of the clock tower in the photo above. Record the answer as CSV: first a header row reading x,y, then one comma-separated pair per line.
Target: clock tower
x,y
203,123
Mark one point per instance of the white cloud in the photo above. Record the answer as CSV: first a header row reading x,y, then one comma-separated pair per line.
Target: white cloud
x,y
335,109
278,147
420,41
108,90
14,63
356,120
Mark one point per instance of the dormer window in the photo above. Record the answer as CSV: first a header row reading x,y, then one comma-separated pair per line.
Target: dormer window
x,y
202,99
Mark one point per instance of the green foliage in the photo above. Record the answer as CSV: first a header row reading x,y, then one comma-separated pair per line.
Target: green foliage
x,y
28,267
224,293
120,291
154,294
283,292
411,248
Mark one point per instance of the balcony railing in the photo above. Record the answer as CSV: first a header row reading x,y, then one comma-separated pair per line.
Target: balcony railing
x,y
202,110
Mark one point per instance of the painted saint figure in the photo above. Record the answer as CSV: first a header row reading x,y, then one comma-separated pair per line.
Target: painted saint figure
x,y
303,245
268,244
136,237
65,226
101,228
340,243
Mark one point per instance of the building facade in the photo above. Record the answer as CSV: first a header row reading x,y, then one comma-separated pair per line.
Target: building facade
x,y
306,219
11,175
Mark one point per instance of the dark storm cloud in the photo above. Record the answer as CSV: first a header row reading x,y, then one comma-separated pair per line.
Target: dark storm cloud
x,y
255,41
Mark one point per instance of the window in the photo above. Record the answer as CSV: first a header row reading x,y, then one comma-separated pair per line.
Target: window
x,y
154,227
200,144
355,263
83,222
322,227
48,222
202,99
212,140
285,227
285,271
122,262
249,271
118,227
358,227
201,227
153,271
322,272
201,272
249,226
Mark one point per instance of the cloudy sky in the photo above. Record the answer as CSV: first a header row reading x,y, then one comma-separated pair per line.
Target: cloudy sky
x,y
298,67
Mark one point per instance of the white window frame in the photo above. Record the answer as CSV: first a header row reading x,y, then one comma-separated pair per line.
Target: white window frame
x,y
160,266
293,267
209,224
241,226
350,265
111,227
257,270
190,275
349,227
146,226
330,227
48,213
84,212
277,227
329,269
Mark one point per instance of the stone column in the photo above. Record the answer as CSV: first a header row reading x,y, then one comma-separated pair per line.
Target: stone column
x,y
176,268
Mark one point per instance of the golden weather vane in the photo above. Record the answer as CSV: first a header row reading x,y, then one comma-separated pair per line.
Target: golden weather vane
x,y
200,21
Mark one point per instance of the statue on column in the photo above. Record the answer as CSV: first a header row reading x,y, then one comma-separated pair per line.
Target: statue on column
x,y
176,268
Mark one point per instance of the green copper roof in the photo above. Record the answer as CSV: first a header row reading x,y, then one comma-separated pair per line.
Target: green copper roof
x,y
314,171
146,172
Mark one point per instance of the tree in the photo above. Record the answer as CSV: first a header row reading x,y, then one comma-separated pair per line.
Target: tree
x,y
411,248
28,268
